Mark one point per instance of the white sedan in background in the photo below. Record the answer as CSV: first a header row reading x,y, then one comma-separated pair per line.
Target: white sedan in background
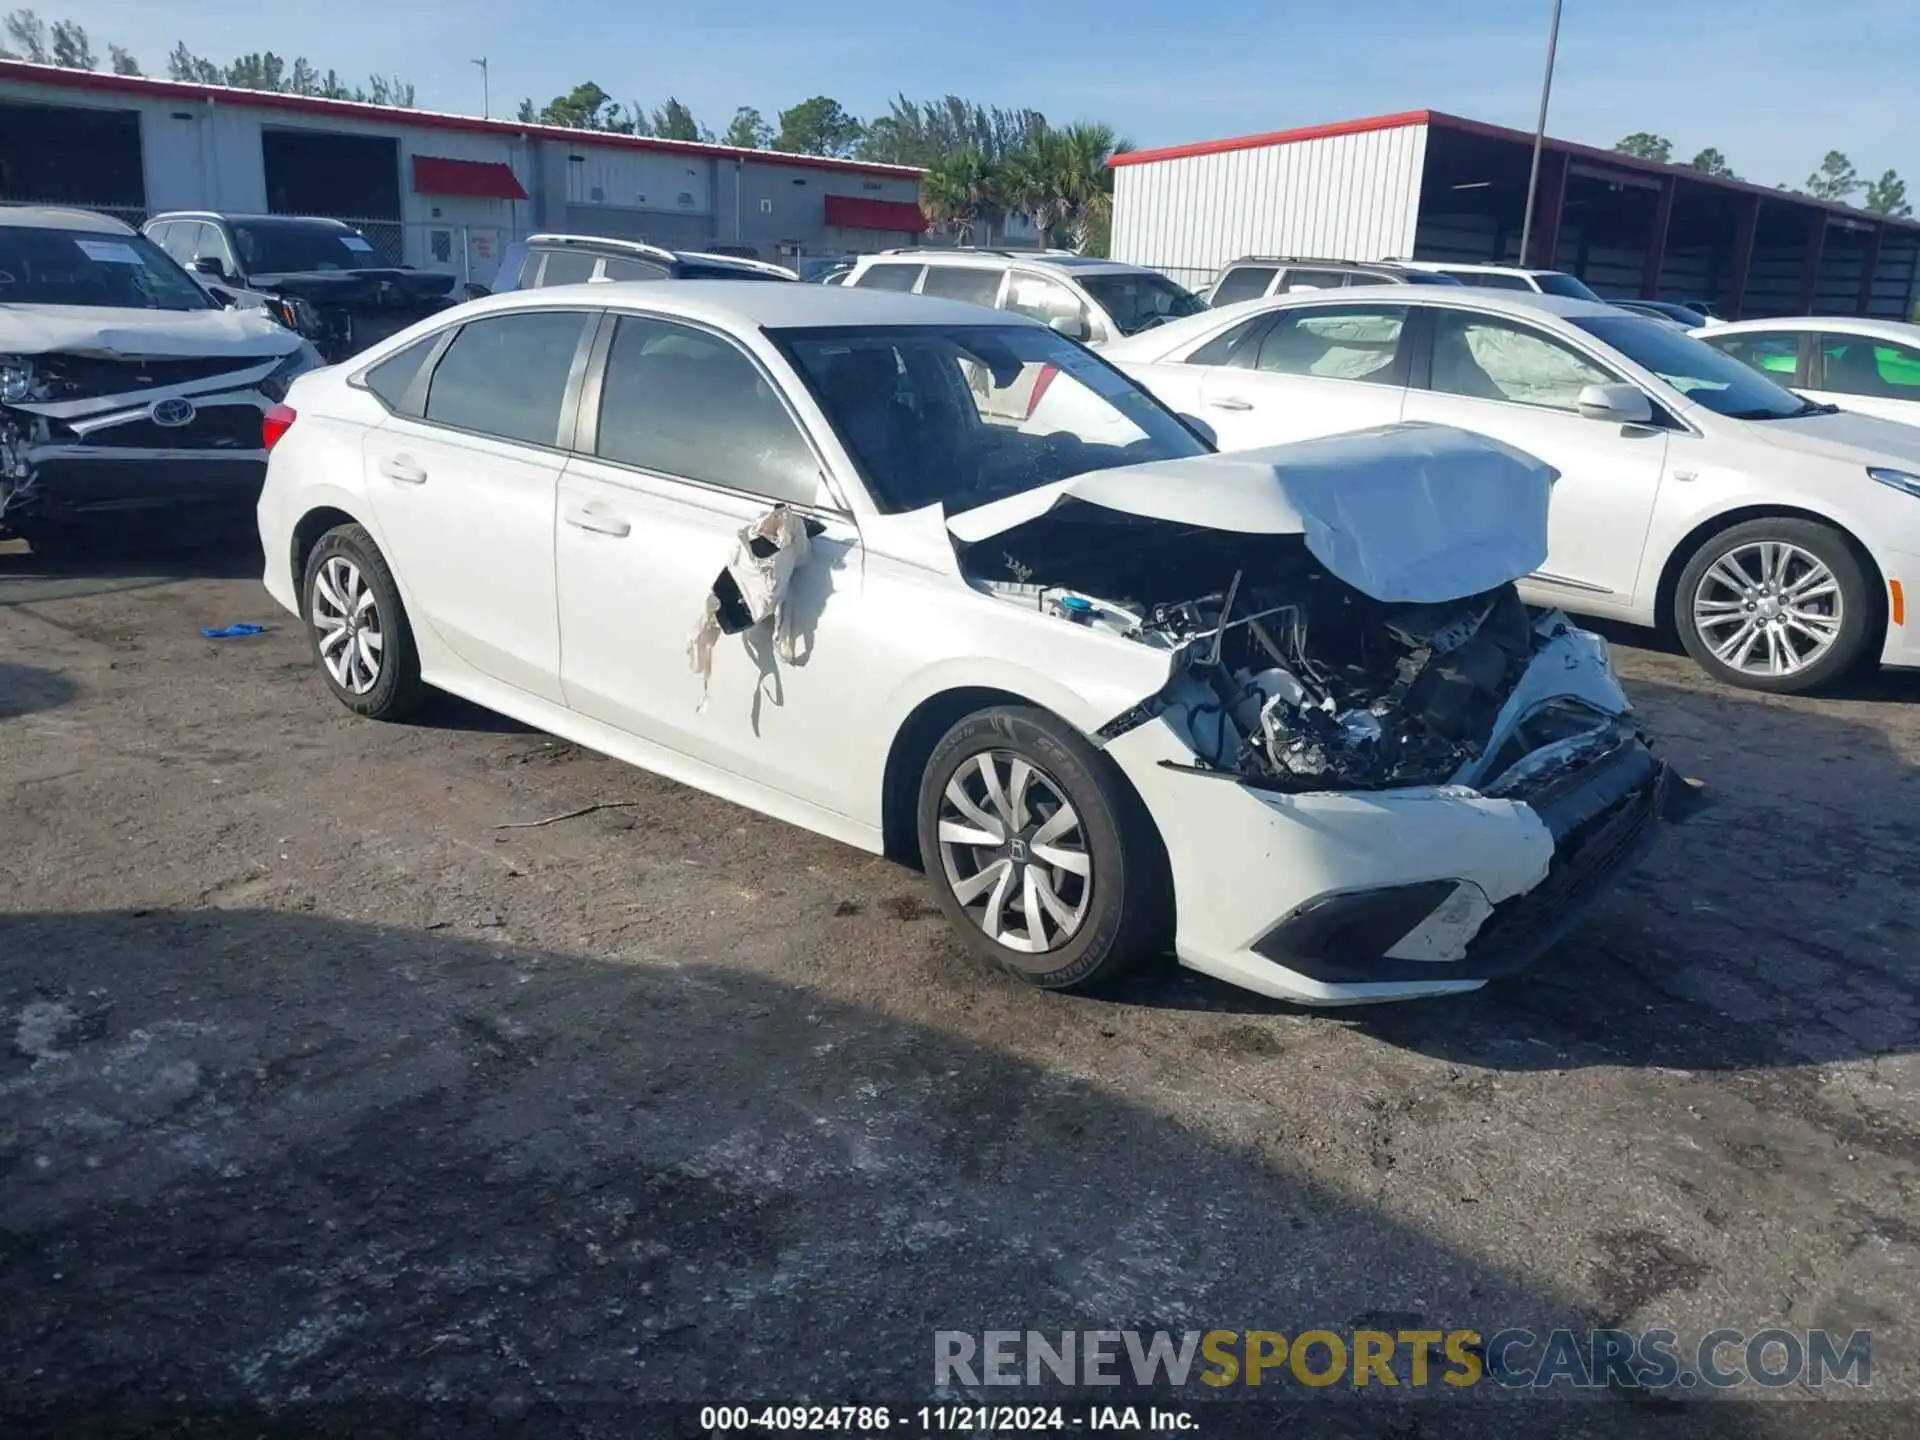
x,y
1776,535
806,549
1871,367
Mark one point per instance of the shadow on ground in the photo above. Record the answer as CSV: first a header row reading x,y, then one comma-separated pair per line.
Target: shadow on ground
x,y
30,689
121,564
1705,958
261,1159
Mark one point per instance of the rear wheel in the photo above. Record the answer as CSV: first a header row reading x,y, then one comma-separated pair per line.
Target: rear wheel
x,y
1780,605
361,638
1041,857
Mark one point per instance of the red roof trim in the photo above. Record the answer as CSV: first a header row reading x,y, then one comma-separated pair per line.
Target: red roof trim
x,y
478,179
23,72
1275,137
860,213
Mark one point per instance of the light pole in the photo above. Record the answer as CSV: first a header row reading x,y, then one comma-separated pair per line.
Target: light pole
x,y
1539,135
486,100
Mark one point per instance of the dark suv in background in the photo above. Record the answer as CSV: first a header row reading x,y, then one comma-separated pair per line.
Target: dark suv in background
x,y
547,260
320,277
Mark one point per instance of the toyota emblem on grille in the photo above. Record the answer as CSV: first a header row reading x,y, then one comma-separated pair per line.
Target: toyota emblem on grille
x,y
172,413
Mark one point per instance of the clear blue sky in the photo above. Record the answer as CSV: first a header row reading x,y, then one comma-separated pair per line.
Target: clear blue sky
x,y
1772,83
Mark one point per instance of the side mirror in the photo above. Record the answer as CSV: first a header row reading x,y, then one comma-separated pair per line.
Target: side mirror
x,y
1617,404
1074,327
210,265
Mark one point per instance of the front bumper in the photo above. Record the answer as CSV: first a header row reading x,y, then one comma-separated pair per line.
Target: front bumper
x,y
121,467
1350,897
1902,645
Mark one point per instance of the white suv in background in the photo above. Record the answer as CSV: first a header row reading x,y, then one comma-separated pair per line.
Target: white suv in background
x,y
1083,298
1508,277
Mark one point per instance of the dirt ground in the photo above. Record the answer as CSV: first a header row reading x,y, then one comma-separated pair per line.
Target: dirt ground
x,y
318,1086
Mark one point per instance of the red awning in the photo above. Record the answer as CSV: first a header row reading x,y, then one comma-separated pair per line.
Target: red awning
x,y
856,212
480,179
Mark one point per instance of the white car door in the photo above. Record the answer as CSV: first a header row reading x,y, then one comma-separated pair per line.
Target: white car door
x,y
1313,371
464,487
1517,383
1868,374
685,441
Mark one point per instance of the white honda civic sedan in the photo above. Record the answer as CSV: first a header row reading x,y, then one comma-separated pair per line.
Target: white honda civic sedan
x,y
809,549
1776,535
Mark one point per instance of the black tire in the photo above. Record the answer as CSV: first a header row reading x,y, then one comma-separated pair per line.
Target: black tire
x,y
1858,601
396,690
1124,902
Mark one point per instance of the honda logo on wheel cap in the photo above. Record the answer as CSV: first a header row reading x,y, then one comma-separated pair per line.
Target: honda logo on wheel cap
x,y
172,413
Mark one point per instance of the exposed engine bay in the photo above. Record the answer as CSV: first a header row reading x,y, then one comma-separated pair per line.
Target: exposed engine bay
x,y
1286,677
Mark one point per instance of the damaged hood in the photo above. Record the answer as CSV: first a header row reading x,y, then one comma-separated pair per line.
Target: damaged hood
x,y
109,332
388,286
1404,513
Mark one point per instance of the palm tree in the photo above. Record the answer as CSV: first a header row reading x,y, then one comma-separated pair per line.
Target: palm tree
x,y
958,191
1030,183
1083,178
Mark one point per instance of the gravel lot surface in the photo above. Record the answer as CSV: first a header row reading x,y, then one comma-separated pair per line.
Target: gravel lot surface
x,y
317,1086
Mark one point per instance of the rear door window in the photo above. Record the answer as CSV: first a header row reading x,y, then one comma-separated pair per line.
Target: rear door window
x,y
889,277
1236,345
506,375
962,282
1243,282
618,267
1298,279
567,267
1339,342
392,379
1490,280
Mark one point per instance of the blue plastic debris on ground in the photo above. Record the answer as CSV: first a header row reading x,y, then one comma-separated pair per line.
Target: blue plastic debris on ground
x,y
232,632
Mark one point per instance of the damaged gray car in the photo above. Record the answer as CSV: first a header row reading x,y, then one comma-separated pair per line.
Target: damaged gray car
x,y
129,400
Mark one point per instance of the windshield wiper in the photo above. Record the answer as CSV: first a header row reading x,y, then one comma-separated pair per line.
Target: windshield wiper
x,y
1809,408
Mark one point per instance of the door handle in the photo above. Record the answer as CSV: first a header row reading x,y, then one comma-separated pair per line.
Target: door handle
x,y
403,469
585,519
1231,402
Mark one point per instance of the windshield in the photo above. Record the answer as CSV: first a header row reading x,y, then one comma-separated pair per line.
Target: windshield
x,y
1137,301
958,415
93,268
1695,369
286,247
1552,282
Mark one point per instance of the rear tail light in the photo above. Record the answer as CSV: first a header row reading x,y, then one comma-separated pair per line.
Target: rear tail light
x,y
275,423
1040,384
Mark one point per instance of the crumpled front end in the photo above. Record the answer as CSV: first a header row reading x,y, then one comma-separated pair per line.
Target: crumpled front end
x,y
1361,798
94,437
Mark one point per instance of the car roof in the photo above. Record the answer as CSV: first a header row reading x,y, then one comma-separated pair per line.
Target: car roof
x,y
1476,268
754,304
231,215
55,217
1320,260
1519,304
1063,261
1840,324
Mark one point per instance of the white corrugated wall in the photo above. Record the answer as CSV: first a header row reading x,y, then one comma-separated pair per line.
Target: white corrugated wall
x,y
1344,197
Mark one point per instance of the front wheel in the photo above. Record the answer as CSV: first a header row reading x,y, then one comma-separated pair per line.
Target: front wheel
x,y
1779,605
1041,857
359,629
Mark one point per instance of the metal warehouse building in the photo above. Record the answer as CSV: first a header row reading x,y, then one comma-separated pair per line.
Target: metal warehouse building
x,y
441,192
1430,186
